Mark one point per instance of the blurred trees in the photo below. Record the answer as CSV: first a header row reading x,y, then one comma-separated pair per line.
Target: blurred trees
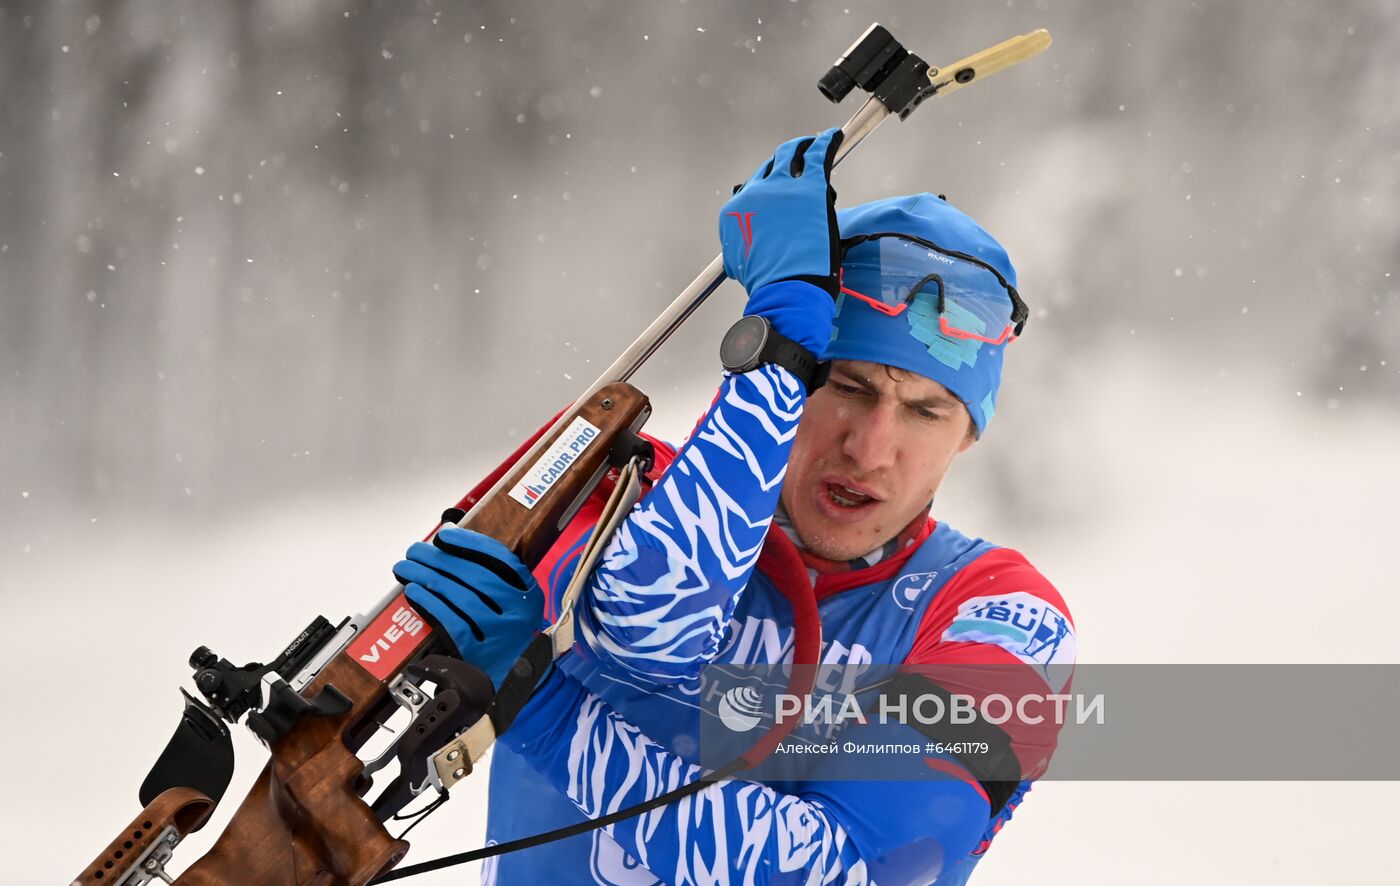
x,y
248,248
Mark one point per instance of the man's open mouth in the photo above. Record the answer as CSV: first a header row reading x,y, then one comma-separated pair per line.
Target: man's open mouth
x,y
846,497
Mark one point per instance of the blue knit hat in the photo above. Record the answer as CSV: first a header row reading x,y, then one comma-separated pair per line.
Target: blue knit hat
x,y
912,340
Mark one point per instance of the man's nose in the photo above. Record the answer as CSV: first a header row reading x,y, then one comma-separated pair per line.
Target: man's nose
x,y
870,441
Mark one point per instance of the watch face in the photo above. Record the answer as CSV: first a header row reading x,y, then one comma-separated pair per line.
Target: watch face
x,y
739,350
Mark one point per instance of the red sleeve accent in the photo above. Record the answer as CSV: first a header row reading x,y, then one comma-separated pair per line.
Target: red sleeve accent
x,y
999,571
982,669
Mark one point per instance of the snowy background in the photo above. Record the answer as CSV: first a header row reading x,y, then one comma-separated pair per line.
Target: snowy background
x,y
278,280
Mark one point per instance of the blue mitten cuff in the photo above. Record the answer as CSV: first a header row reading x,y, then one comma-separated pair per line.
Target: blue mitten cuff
x,y
798,310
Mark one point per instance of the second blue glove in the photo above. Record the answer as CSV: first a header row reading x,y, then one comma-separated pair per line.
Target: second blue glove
x,y
478,592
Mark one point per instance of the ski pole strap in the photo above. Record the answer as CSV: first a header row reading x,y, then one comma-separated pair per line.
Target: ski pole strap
x,y
454,761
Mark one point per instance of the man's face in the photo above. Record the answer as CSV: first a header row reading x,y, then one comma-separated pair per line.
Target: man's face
x,y
870,451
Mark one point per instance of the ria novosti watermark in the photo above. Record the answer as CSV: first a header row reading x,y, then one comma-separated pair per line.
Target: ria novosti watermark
x,y
740,709
1196,722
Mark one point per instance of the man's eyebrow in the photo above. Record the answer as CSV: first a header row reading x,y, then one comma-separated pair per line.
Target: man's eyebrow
x,y
862,380
932,401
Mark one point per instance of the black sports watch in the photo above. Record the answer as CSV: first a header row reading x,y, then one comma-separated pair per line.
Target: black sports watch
x,y
752,341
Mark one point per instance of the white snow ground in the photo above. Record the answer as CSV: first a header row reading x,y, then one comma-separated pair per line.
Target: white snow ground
x,y
1230,517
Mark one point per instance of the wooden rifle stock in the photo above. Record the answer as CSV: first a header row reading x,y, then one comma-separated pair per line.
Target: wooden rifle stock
x,y
305,820
153,833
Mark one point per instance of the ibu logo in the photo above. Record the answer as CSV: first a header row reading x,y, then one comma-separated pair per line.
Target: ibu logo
x,y
1026,626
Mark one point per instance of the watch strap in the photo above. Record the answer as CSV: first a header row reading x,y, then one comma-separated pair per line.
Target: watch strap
x,y
775,348
802,363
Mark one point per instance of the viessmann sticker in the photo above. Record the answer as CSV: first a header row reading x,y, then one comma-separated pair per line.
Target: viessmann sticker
x,y
388,641
551,466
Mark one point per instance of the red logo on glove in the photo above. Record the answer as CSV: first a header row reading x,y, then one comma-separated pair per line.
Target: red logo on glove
x,y
745,229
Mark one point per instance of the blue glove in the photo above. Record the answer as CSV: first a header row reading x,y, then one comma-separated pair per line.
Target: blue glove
x,y
479,592
781,223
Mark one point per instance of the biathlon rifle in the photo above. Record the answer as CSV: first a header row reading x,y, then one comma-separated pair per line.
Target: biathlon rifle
x,y
316,815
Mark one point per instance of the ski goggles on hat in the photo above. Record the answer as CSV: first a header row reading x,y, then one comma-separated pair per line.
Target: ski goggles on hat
x,y
973,300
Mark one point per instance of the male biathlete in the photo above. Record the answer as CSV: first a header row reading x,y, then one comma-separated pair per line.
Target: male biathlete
x,y
913,305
